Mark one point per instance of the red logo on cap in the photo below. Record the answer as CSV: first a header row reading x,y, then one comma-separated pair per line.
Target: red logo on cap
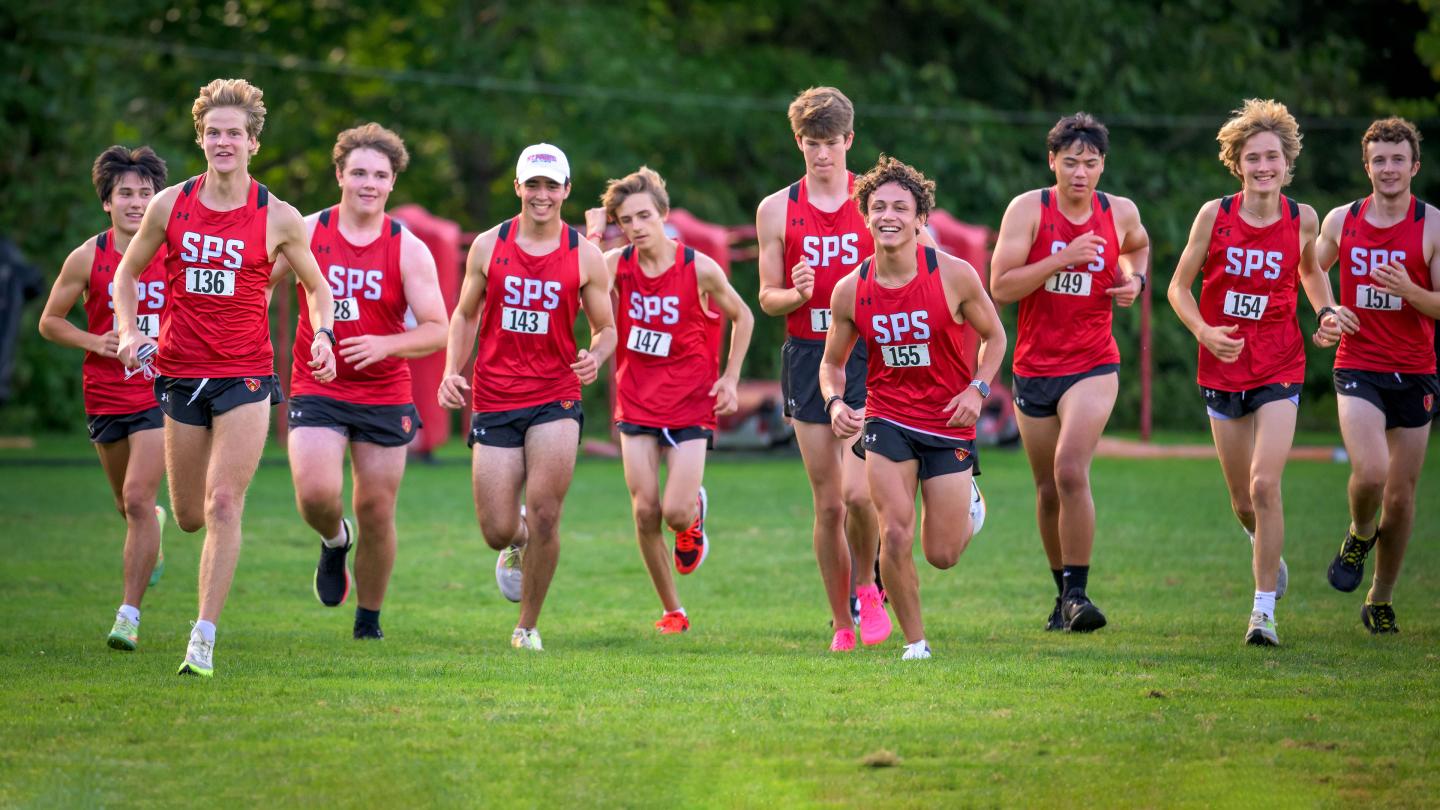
x,y
405,424
253,384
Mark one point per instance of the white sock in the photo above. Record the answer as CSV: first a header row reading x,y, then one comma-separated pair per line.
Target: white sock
x,y
207,630
339,540
130,612
1265,603
680,610
919,645
1250,535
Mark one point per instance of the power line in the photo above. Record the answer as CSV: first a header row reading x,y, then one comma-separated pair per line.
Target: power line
x,y
530,87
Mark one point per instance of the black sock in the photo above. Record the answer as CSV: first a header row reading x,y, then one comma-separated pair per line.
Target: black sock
x,y
1059,574
1076,577
366,617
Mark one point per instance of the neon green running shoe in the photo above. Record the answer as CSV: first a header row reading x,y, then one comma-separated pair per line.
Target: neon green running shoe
x,y
125,635
160,557
199,656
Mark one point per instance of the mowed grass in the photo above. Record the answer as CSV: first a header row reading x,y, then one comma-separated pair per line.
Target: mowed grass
x,y
1165,707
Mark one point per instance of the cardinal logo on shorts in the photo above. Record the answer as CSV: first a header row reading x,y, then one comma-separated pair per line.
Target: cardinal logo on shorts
x,y
405,424
253,384
1429,402
567,404
961,454
1285,386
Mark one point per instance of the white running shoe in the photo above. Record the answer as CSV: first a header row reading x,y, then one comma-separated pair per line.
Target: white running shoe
x,y
977,508
523,639
1282,579
199,656
1261,632
508,572
918,651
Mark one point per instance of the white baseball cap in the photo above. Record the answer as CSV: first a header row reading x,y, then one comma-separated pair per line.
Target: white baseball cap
x,y
543,160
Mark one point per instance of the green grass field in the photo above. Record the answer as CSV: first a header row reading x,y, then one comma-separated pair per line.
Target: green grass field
x,y
1166,707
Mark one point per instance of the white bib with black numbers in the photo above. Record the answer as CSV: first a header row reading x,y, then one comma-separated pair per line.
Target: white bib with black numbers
x,y
525,321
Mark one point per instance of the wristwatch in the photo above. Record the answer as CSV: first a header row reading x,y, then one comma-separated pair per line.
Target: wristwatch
x,y
1144,280
327,332
832,401
982,386
1326,310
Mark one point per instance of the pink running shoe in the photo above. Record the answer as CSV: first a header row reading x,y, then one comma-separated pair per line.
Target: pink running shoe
x,y
844,640
874,620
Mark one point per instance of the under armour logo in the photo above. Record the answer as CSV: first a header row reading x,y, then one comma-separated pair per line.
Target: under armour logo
x,y
505,261
295,414
797,222
870,438
185,215
1351,386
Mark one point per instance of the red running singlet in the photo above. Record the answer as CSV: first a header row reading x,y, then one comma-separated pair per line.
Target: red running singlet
x,y
217,275
1251,279
832,242
917,361
1393,337
1065,325
527,326
665,363
369,294
107,392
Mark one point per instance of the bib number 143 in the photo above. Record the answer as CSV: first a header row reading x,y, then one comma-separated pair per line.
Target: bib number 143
x,y
525,321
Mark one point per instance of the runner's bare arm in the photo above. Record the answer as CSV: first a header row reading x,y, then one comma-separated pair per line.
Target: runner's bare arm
x,y
595,300
1010,277
137,256
714,284
839,341
969,303
70,287
292,242
1134,259
1317,285
1182,296
422,294
775,297
1394,279
465,320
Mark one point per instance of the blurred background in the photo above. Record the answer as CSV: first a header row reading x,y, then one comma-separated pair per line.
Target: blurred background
x,y
697,90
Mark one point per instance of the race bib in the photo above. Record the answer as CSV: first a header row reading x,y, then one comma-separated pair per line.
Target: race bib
x,y
1069,283
1375,298
820,320
646,341
209,281
149,324
525,321
910,355
347,309
1244,305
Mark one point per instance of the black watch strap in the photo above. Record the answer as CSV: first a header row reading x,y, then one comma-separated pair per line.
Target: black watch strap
x,y
1325,310
832,401
327,332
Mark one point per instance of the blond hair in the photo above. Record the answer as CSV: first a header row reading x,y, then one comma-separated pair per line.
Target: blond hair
x,y
237,93
371,136
821,113
1257,116
644,180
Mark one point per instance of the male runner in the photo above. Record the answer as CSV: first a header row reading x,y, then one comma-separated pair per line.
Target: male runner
x,y
377,272
222,231
1068,254
811,235
120,408
1385,370
667,389
1253,248
910,304
525,280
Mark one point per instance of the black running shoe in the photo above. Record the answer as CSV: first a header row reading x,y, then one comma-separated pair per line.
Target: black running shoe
x,y
1056,620
1079,613
332,576
368,630
1378,618
1348,567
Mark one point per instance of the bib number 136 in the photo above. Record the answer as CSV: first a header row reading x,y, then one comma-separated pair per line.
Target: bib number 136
x,y
209,281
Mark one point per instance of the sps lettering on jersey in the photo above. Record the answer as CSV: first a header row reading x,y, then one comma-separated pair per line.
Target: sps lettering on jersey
x,y
147,296
1096,266
526,292
819,251
1244,261
648,308
1363,260
898,326
204,249
345,282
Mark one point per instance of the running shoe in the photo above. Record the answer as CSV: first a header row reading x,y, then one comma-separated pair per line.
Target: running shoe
x,y
332,575
367,630
919,651
875,623
1348,567
1378,617
1057,619
673,622
523,639
1079,613
691,545
1262,631
977,508
509,573
844,640
160,553
125,635
199,656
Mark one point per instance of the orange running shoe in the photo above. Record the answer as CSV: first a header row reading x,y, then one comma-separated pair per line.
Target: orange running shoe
x,y
844,640
673,622
691,545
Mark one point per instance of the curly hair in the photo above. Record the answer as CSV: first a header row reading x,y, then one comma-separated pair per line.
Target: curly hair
x,y
1392,130
1257,116
889,170
230,93
371,136
113,163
